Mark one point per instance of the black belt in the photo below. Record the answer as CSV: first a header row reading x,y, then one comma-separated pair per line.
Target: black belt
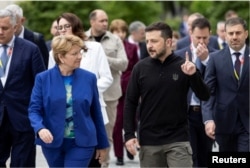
x,y
195,108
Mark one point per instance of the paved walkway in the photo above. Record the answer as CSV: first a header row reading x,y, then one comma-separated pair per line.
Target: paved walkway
x,y
41,162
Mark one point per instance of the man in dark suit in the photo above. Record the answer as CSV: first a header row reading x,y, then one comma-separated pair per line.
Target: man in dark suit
x,y
24,61
27,34
186,41
199,54
226,113
53,32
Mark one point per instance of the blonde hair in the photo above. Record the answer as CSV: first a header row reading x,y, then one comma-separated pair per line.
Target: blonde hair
x,y
62,44
118,24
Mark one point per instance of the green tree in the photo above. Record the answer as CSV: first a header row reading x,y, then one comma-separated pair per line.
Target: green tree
x,y
40,14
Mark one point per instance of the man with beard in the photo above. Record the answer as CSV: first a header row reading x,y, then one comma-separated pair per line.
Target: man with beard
x,y
161,82
226,113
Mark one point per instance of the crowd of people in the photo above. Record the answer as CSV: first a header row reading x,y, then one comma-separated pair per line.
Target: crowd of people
x,y
168,94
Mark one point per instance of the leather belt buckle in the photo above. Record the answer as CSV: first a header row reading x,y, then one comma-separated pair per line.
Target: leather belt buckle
x,y
196,108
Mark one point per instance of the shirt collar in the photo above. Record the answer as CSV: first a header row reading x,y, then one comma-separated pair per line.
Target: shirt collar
x,y
10,43
242,50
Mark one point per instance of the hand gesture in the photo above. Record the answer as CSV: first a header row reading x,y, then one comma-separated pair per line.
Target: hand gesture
x,y
188,67
45,135
132,145
202,51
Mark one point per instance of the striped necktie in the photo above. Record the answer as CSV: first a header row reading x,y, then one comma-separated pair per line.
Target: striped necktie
x,y
237,65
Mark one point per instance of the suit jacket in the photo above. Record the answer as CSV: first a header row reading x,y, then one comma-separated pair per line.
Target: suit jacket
x,y
25,63
186,41
213,41
29,35
48,108
143,50
229,97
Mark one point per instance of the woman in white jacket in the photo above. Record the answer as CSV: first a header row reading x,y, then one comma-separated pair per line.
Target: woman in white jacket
x,y
94,59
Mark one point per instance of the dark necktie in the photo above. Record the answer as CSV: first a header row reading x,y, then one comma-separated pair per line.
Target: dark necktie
x,y
237,65
4,59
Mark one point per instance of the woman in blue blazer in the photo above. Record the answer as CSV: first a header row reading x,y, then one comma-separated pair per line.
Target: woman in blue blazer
x,y
65,110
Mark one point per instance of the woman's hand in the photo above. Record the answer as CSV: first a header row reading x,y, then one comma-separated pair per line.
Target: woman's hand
x,y
45,135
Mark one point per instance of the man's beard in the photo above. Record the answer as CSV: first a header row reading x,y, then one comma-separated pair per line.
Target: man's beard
x,y
161,54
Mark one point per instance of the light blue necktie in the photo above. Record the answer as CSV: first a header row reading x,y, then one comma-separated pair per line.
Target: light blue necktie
x,y
4,59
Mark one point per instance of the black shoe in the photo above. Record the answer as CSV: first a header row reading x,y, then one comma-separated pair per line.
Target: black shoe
x,y
129,155
119,161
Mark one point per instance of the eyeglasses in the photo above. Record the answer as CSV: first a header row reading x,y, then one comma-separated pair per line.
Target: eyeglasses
x,y
66,27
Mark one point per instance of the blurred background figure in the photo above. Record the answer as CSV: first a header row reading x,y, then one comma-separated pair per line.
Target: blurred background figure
x,y
175,38
183,28
23,32
185,41
221,35
137,37
53,32
230,14
120,28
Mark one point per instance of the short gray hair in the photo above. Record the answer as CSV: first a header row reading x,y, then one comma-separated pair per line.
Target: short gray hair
x,y
15,9
136,25
7,13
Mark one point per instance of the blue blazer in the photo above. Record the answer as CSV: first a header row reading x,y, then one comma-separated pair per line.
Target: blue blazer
x,y
48,108
229,97
25,63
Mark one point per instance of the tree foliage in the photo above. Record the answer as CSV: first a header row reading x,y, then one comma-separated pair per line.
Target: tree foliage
x,y
40,14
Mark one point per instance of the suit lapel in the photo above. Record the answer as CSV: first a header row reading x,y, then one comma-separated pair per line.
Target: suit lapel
x,y
229,68
245,69
16,58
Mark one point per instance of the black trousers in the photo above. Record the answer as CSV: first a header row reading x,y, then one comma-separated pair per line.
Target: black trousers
x,y
19,146
94,162
201,144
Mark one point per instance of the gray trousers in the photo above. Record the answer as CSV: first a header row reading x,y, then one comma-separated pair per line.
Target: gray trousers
x,y
178,154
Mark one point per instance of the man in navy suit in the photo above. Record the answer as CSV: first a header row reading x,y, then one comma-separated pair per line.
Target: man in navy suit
x,y
24,62
226,113
34,37
199,53
186,41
